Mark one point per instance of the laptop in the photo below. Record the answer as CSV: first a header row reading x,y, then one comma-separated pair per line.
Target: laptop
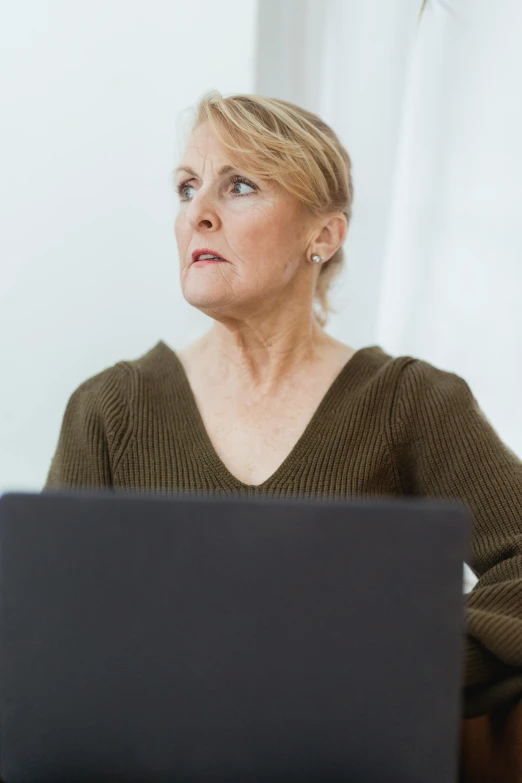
x,y
198,639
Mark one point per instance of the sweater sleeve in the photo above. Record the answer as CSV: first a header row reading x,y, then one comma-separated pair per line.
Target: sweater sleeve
x,y
447,449
93,434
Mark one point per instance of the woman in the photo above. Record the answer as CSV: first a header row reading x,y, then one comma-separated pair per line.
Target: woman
x,y
267,403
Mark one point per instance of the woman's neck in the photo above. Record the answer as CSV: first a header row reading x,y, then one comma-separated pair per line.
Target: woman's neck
x,y
260,358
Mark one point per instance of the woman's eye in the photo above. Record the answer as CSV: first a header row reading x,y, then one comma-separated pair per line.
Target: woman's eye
x,y
236,182
181,190
242,182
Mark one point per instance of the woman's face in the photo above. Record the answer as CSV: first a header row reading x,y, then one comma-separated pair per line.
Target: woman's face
x,y
261,231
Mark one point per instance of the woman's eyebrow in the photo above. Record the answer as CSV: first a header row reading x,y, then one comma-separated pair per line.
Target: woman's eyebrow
x,y
223,170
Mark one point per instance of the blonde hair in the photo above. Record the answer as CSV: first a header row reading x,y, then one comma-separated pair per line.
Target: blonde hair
x,y
275,139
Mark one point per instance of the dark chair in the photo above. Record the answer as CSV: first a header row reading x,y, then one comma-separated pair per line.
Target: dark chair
x,y
491,747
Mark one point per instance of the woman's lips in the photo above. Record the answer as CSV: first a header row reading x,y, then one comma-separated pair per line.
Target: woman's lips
x,y
206,261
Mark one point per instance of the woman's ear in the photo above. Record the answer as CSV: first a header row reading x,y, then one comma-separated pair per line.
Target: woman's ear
x,y
331,235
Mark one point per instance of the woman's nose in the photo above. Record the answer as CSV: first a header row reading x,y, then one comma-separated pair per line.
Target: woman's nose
x,y
201,210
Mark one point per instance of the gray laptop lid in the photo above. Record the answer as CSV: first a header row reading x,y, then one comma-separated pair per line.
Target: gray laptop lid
x,y
163,638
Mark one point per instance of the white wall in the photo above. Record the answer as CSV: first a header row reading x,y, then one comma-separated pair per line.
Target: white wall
x,y
91,98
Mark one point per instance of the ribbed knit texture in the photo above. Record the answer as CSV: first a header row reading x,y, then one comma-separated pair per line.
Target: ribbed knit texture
x,y
387,426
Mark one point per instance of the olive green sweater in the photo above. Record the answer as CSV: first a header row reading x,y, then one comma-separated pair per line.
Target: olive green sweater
x,y
387,426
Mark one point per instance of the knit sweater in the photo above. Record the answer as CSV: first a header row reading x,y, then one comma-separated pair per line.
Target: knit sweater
x,y
387,426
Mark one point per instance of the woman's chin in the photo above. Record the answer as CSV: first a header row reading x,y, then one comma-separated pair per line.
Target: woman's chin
x,y
207,298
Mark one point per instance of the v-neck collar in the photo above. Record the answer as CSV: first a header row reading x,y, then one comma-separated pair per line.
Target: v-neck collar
x,y
345,378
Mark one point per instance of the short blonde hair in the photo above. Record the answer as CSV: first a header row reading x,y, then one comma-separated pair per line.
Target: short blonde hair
x,y
275,139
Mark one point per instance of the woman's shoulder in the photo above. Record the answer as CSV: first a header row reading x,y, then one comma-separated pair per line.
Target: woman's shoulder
x,y
151,362
106,383
119,381
415,386
412,371
421,381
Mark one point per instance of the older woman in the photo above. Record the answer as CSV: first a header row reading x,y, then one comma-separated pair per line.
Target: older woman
x,y
267,403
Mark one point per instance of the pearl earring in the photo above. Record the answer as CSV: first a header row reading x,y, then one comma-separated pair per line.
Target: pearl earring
x,y
316,259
